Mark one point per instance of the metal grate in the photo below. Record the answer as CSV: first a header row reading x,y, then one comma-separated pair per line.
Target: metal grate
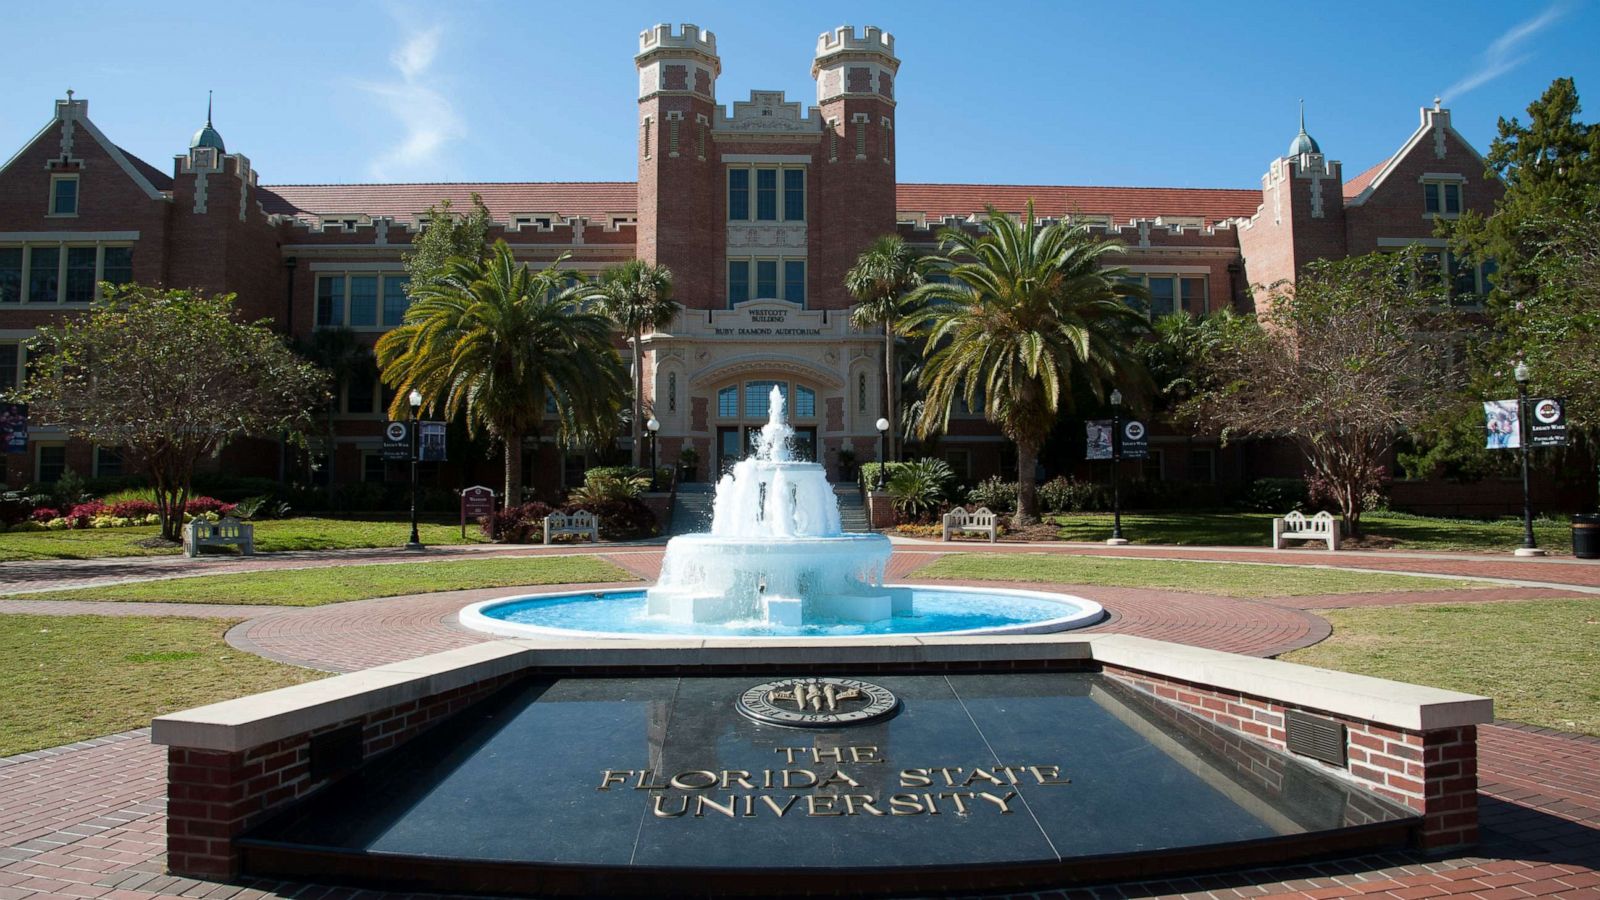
x,y
1314,736
335,752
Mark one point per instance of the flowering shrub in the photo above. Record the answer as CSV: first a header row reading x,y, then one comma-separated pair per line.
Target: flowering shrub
x,y
133,509
199,505
518,524
44,514
82,515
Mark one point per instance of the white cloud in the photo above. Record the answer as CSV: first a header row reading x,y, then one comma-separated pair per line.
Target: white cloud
x,y
424,112
1503,54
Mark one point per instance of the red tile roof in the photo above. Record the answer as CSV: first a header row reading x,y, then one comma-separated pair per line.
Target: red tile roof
x,y
1356,185
595,199
404,202
1120,203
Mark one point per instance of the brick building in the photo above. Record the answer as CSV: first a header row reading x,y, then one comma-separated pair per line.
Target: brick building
x,y
758,207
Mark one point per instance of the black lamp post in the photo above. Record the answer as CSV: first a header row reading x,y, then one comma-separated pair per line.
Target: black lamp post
x,y
1528,548
653,426
883,451
1116,465
415,399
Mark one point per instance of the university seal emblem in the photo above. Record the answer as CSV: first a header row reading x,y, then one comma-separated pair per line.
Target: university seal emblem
x,y
817,702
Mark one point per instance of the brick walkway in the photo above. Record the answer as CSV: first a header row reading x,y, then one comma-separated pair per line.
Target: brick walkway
x,y
86,820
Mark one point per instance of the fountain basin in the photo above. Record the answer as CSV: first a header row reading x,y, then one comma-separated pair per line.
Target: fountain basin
x,y
785,581
625,614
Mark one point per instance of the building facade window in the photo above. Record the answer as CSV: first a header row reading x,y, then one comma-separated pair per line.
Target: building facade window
x,y
861,393
44,275
805,402
773,279
757,397
10,366
49,462
374,468
1172,293
63,195
1153,470
1441,198
360,393
672,392
116,264
728,402
1202,466
61,272
81,265
10,274
770,184
108,462
353,299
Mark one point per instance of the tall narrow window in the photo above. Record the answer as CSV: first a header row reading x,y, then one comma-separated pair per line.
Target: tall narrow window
x,y
44,274
363,301
52,463
794,195
1161,295
644,138
1194,296
107,462
672,137
1430,196
395,301
833,140
80,274
9,357
672,392
738,195
794,280
728,402
738,280
861,393
116,266
766,278
64,195
767,195
758,397
861,140
359,395
10,274
1452,199
805,402
330,300
700,139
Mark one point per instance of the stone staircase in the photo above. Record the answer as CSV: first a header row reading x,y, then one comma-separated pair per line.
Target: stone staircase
x,y
852,512
691,510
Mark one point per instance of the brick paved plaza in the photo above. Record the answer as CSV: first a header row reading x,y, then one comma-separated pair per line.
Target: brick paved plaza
x,y
87,819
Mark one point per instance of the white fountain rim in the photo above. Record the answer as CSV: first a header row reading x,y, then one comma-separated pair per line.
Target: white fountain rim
x,y
472,617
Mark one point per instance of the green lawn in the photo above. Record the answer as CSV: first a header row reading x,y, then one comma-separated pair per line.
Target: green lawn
x,y
1244,529
337,584
1538,659
67,678
1227,579
308,533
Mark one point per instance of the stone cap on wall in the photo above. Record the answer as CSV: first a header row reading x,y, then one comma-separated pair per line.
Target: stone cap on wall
x,y
236,725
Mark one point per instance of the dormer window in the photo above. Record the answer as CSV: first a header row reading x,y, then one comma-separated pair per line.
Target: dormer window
x,y
63,195
1441,198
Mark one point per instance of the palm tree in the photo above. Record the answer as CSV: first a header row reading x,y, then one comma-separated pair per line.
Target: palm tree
x,y
492,340
1027,310
638,297
881,281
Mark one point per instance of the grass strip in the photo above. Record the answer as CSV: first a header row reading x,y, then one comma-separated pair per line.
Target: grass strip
x,y
68,678
1227,579
1538,659
338,584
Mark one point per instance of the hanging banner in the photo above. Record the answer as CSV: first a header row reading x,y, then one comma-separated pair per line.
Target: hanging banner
x,y
397,441
1135,440
430,442
1501,420
1547,422
14,427
1099,439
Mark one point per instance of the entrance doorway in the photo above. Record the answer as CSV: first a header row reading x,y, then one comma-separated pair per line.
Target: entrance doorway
x,y
735,442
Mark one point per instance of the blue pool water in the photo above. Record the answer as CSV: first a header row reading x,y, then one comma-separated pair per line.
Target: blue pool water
x,y
935,611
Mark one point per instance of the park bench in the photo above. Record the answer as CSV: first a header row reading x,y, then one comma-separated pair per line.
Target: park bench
x,y
203,533
1295,526
979,521
579,523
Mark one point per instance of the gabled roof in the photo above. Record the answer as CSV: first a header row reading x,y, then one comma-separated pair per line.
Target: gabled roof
x,y
1122,204
406,202
160,179
596,199
149,179
1356,185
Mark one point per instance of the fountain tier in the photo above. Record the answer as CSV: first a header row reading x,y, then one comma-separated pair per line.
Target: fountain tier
x,y
775,552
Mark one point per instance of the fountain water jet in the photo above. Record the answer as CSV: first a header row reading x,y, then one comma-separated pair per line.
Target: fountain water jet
x,y
775,553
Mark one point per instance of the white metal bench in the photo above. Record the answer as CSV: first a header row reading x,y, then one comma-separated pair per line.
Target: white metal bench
x,y
1295,526
202,533
580,523
979,521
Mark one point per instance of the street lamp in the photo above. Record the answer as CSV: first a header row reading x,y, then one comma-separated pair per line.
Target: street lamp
x,y
1116,538
883,450
415,400
1528,548
652,426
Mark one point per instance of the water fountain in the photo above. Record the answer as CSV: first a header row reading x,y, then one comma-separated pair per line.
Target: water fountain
x,y
775,553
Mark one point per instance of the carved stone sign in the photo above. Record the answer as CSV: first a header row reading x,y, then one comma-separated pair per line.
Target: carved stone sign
x,y
817,702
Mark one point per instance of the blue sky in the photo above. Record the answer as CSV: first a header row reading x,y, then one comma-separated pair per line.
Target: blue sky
x,y
1181,94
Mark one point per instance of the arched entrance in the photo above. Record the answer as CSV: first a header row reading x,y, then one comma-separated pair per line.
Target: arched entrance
x,y
742,408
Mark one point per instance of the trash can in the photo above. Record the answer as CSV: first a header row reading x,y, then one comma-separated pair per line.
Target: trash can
x,y
1586,536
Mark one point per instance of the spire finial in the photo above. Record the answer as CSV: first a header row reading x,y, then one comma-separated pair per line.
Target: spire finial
x,y
69,95
208,110
1302,115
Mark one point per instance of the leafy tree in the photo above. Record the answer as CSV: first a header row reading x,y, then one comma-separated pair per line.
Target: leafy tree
x,y
637,296
446,236
170,377
492,340
1027,310
1342,363
881,281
